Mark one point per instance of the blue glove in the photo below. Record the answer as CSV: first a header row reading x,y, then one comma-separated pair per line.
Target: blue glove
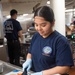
x,y
37,73
27,65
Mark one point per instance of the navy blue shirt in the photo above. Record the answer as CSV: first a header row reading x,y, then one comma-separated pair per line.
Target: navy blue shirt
x,y
50,52
11,28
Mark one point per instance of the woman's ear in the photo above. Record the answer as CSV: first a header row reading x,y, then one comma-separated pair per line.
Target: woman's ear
x,y
53,23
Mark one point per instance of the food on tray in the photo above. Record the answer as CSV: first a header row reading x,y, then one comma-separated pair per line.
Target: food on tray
x,y
20,73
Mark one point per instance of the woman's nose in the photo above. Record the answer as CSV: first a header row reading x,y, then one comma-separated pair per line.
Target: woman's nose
x,y
39,28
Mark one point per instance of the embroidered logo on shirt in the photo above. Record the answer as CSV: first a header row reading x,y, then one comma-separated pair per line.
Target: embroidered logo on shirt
x,y
47,50
8,27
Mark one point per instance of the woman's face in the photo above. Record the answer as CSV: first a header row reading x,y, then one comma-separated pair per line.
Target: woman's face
x,y
42,26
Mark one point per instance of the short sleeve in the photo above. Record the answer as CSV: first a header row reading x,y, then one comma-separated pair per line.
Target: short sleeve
x,y
32,41
63,54
29,51
18,26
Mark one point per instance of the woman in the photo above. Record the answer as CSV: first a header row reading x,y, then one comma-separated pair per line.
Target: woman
x,y
49,52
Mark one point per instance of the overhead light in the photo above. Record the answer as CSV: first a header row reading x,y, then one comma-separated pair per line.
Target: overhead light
x,y
48,2
69,10
25,14
1,45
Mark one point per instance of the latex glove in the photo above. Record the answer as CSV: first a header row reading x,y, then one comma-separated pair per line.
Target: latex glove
x,y
37,73
27,64
40,73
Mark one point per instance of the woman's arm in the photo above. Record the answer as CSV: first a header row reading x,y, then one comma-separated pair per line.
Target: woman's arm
x,y
29,56
27,64
56,70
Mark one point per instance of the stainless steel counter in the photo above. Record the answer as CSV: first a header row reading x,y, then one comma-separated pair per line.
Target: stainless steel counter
x,y
3,53
7,67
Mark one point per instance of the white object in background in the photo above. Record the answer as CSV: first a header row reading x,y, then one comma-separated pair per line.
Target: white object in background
x,y
1,21
24,39
48,2
5,40
1,46
59,19
1,67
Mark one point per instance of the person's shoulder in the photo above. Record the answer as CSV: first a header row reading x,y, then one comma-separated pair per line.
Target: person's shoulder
x,y
10,20
36,34
7,20
15,21
61,37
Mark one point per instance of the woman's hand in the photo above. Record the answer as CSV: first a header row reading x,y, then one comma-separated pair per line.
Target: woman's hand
x,y
37,73
41,73
58,70
27,65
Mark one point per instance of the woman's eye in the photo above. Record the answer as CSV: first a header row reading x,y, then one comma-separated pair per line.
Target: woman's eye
x,y
36,24
43,25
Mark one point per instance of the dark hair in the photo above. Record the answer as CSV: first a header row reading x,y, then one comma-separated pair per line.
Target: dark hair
x,y
13,11
73,22
45,12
